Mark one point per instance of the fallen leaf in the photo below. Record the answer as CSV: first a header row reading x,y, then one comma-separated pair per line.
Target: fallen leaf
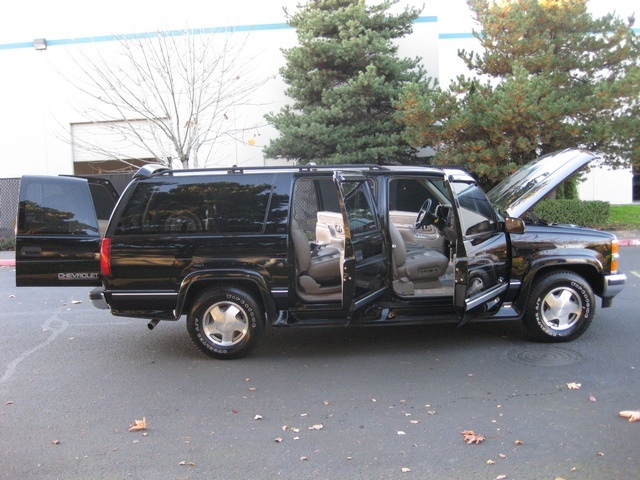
x,y
247,379
190,464
471,437
490,462
138,425
75,302
252,389
502,455
56,442
374,400
318,426
405,470
601,454
234,410
518,442
304,457
326,402
9,402
574,386
285,427
278,440
431,412
632,415
258,417
592,398
501,477
414,421
400,432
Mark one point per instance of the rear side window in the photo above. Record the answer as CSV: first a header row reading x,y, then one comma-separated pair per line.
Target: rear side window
x,y
60,206
220,204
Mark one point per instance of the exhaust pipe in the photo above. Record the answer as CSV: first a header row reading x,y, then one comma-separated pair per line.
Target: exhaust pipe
x,y
152,324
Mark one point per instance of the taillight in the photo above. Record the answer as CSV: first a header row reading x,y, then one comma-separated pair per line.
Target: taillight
x,y
614,256
105,256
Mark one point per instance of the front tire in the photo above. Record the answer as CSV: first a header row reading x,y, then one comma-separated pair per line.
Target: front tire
x,y
224,323
560,307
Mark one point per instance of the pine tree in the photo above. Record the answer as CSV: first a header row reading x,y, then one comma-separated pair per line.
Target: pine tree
x,y
550,76
344,77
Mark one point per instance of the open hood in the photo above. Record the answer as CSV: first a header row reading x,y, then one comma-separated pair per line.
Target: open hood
x,y
520,191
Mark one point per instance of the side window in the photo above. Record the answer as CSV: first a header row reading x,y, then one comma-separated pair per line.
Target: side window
x,y
360,213
476,213
222,204
409,194
58,208
313,195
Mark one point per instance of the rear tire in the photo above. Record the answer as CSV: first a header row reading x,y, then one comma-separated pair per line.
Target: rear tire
x,y
224,323
560,307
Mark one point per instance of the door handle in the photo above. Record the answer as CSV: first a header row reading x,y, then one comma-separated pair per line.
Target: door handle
x,y
31,252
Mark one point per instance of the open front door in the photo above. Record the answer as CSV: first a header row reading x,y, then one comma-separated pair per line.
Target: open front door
x,y
483,252
57,235
363,269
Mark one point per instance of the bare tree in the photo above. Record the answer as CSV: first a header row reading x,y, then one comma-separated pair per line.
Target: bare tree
x,y
173,94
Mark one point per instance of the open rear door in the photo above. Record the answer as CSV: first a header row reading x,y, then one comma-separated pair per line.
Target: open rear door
x,y
57,235
364,265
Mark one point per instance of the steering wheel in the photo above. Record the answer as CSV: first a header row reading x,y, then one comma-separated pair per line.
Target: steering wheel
x,y
422,214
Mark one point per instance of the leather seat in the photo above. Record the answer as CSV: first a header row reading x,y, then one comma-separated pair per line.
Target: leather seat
x,y
416,265
318,272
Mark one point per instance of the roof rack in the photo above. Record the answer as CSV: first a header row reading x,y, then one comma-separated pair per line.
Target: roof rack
x,y
150,170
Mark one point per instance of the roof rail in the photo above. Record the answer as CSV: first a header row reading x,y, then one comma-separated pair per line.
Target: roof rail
x,y
151,169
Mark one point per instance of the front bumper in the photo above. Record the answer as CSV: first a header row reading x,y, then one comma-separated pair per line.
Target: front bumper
x,y
613,285
97,298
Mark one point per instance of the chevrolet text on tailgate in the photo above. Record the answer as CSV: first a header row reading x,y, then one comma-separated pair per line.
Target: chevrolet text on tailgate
x,y
237,249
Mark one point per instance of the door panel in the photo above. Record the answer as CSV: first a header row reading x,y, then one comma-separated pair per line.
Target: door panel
x,y
483,253
364,264
57,235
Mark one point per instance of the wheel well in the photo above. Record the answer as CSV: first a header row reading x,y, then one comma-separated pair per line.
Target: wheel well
x,y
588,272
199,287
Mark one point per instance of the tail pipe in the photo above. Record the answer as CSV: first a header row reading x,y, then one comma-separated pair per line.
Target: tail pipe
x,y
152,324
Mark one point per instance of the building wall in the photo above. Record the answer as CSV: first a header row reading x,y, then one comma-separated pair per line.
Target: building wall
x,y
40,101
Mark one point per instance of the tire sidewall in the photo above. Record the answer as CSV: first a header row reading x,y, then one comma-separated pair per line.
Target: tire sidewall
x,y
251,310
533,316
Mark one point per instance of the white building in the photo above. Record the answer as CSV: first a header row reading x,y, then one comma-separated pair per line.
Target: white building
x,y
41,122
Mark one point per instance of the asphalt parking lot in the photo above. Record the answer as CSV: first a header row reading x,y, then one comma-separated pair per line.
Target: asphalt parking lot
x,y
335,403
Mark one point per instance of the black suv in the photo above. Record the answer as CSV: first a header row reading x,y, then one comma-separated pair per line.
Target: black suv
x,y
237,249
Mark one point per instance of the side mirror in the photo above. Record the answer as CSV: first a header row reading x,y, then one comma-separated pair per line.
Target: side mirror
x,y
514,225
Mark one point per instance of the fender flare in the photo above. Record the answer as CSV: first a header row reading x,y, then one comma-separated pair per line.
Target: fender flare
x,y
575,260
235,276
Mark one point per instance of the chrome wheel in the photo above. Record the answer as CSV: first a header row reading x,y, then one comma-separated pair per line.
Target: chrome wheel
x,y
225,324
561,308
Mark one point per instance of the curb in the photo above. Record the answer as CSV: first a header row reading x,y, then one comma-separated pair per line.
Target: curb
x,y
631,242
